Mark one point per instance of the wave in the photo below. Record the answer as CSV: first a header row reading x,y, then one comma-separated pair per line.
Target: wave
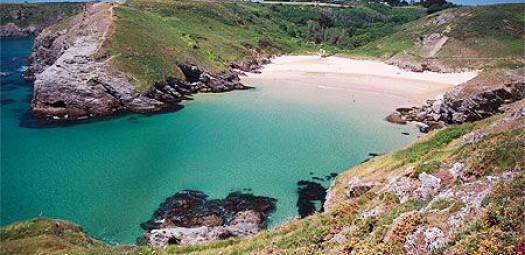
x,y
22,69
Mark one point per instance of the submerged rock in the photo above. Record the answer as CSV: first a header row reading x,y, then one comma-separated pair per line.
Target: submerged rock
x,y
189,217
309,192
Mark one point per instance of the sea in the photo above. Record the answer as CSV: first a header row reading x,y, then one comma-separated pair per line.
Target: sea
x,y
110,175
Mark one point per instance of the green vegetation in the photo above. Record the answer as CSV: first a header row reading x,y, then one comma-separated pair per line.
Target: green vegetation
x,y
27,14
440,204
496,153
456,207
426,167
42,236
501,228
151,37
440,139
481,37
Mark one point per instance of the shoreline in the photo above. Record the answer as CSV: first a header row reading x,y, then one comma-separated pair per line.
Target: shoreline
x,y
361,76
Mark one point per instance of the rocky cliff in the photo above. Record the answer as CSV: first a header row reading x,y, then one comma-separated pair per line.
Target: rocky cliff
x,y
74,79
477,99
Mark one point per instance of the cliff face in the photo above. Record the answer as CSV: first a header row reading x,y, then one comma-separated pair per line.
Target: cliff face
x,y
12,30
70,81
75,80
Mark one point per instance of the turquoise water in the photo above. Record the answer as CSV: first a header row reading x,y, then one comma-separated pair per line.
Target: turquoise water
x,y
109,176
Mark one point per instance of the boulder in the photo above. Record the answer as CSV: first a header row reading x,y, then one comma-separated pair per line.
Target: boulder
x,y
429,186
396,118
356,188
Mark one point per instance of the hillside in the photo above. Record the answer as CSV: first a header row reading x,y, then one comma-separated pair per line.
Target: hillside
x,y
467,38
150,55
151,37
29,19
458,190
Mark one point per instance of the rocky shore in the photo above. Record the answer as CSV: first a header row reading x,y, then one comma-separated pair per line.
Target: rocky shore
x,y
12,30
189,217
73,81
457,107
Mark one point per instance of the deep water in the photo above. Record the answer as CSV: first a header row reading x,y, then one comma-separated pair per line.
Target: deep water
x,y
110,176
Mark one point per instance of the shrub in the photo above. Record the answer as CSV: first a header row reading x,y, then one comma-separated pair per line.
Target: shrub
x,y
440,139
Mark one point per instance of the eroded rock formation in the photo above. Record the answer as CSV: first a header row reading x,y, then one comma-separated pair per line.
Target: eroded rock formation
x,y
74,80
189,217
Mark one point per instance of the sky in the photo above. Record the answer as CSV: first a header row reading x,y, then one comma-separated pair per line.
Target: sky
x,y
463,2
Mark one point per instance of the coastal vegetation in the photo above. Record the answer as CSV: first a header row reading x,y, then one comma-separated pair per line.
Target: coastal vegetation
x,y
29,19
151,37
457,190
25,14
481,37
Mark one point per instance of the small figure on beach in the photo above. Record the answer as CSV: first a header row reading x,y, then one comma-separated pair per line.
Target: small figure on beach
x,y
323,53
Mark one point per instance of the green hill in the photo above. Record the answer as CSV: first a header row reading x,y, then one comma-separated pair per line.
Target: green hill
x,y
481,37
150,37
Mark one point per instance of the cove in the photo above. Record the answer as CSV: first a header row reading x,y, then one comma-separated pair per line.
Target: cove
x,y
109,176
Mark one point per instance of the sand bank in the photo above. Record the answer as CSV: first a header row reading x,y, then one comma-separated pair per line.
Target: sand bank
x,y
363,76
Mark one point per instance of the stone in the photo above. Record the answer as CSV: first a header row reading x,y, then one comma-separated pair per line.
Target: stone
x,y
423,128
340,236
403,187
189,217
436,106
308,193
358,189
425,239
456,169
429,186
396,118
247,217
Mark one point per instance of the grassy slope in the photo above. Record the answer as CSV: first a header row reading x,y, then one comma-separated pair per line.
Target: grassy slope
x,y
491,36
150,37
33,13
498,227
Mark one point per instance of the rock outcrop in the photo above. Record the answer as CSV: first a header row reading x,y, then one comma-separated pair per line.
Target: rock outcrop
x,y
72,80
12,30
456,109
188,217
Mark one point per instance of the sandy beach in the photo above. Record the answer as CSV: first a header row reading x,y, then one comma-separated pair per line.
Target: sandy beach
x,y
360,76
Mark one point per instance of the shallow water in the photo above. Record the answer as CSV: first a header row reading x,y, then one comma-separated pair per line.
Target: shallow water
x,y
109,176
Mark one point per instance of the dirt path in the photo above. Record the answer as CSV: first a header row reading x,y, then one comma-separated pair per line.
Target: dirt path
x,y
107,18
